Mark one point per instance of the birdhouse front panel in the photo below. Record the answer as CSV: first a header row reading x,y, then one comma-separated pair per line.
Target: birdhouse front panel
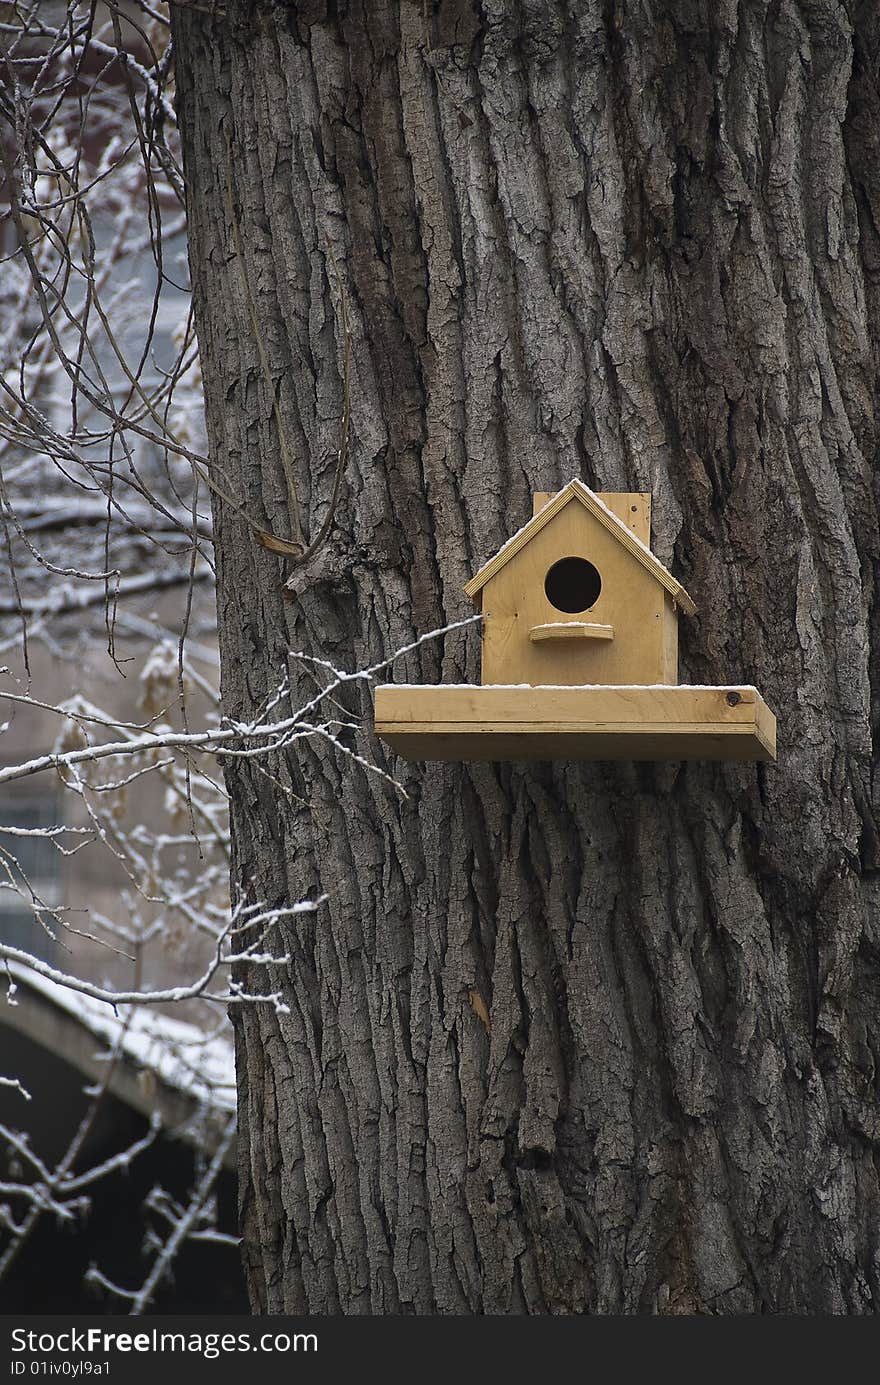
x,y
573,606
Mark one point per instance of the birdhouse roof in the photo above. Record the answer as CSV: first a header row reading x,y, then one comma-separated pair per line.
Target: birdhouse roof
x,y
576,490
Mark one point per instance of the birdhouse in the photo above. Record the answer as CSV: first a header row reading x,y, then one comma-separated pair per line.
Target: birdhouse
x,y
578,597
579,654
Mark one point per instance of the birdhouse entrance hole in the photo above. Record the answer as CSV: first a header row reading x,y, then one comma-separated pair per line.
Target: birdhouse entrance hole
x,y
572,585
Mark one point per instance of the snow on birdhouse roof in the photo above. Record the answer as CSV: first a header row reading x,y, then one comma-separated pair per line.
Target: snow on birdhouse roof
x,y
576,490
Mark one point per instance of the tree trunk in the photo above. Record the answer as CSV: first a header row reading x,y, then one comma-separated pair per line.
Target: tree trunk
x,y
563,1037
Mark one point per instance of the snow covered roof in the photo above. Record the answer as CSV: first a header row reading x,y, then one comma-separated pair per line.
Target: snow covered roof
x,y
199,1066
576,490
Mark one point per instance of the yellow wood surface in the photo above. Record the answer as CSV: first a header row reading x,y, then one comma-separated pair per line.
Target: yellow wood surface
x,y
633,723
669,657
630,601
578,494
572,630
633,507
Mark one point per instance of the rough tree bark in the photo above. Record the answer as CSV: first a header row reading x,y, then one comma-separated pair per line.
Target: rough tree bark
x,y
640,244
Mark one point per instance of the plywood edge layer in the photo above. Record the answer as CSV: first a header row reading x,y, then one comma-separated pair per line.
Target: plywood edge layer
x,y
571,630
576,728
765,723
571,743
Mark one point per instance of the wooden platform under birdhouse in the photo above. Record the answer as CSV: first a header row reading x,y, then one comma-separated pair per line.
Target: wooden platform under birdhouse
x,y
464,722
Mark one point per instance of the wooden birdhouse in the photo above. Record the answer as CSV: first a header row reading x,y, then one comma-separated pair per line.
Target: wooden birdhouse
x,y
578,597
579,655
